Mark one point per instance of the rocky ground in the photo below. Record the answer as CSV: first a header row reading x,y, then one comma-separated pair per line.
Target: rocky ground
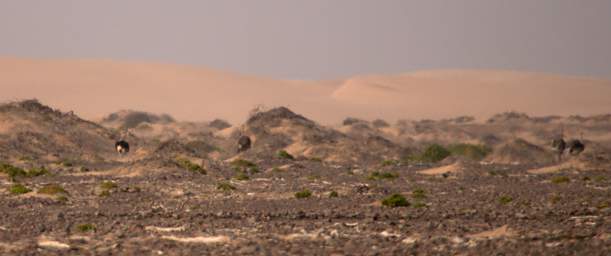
x,y
162,200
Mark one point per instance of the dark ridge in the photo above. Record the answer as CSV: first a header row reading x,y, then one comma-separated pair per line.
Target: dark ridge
x,y
279,113
508,116
219,124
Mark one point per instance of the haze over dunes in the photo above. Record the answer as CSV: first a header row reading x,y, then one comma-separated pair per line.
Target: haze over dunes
x,y
93,88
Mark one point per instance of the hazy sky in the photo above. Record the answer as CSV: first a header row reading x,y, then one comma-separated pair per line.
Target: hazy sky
x,y
318,39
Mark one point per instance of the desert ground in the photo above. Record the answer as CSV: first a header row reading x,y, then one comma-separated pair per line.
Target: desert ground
x,y
457,186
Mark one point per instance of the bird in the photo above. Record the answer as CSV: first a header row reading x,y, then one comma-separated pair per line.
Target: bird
x,y
122,147
576,147
559,145
244,143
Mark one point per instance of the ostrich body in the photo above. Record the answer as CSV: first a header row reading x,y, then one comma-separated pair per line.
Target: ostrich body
x,y
559,145
576,147
244,143
122,147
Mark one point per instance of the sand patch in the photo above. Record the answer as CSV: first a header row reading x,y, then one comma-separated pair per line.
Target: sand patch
x,y
198,239
503,231
452,168
572,164
164,229
47,243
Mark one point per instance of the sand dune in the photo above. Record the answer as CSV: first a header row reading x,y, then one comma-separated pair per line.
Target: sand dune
x,y
93,88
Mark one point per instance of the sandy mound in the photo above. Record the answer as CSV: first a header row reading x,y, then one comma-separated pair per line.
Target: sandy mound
x,y
519,151
281,129
35,130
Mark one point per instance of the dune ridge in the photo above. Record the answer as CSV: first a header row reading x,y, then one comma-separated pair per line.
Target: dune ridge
x,y
94,88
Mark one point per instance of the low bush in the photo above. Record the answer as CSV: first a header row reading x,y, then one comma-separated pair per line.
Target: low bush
x,y
190,166
395,200
303,194
18,189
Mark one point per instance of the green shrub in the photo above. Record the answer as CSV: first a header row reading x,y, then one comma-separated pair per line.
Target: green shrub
x,y
382,175
389,162
52,189
18,189
11,171
419,204
190,166
333,194
85,227
419,193
108,185
505,199
285,155
432,154
245,165
560,179
303,194
37,171
395,200
242,163
471,151
224,186
66,163
241,176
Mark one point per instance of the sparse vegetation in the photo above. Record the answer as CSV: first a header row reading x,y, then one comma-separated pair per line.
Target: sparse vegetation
x,y
106,187
190,166
52,189
560,179
389,162
470,151
432,154
603,205
376,175
245,166
418,193
225,186
241,176
18,189
333,194
303,194
285,155
66,163
37,171
505,199
85,228
418,204
11,171
395,200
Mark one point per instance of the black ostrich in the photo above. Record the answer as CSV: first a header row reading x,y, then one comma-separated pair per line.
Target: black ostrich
x,y
244,143
122,147
576,147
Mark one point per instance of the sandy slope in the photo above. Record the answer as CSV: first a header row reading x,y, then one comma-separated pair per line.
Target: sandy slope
x,y
94,88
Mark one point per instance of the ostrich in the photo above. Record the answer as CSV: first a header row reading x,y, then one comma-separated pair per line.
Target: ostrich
x,y
244,143
576,147
559,145
122,147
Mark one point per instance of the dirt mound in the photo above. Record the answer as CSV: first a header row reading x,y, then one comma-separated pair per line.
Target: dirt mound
x,y
520,151
281,129
29,129
127,119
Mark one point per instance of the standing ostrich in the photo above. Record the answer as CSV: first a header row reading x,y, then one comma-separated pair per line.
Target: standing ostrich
x,y
576,146
559,145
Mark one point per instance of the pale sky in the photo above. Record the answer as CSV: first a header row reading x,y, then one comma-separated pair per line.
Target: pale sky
x,y
318,39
